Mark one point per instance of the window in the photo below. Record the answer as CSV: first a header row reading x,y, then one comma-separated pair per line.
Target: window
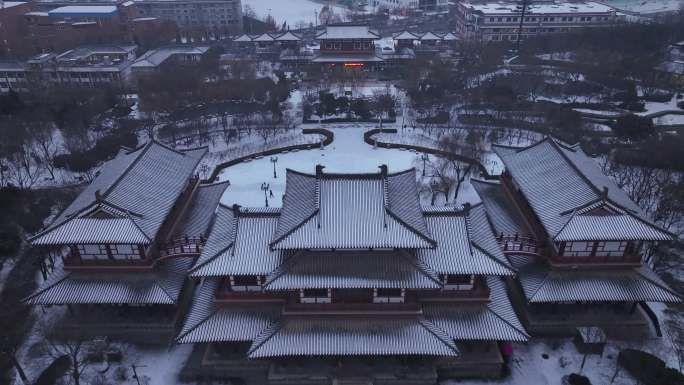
x,y
578,249
388,295
93,252
122,251
245,283
458,281
611,248
315,296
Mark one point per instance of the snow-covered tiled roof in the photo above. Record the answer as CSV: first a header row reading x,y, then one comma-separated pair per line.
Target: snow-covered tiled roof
x,y
449,36
201,210
142,184
506,7
10,4
502,213
544,285
465,244
288,36
322,336
352,270
159,286
405,35
264,37
83,52
494,321
351,211
239,244
430,36
84,10
558,180
154,57
335,32
243,38
208,322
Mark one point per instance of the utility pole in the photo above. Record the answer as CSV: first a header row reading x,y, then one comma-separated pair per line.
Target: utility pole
x,y
520,26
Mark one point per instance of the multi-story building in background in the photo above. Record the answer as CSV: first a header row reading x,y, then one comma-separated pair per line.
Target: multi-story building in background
x,y
216,16
12,27
501,20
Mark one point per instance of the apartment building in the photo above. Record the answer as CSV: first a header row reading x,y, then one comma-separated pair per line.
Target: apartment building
x,y
502,20
218,16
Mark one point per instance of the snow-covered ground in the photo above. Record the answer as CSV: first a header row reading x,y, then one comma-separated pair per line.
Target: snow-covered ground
x,y
294,12
669,120
652,107
347,153
545,362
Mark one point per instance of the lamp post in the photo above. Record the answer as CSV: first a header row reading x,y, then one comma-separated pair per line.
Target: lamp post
x,y
264,188
425,158
274,160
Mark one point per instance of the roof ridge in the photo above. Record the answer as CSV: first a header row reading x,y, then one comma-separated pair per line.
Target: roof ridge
x,y
293,229
287,263
410,228
432,328
497,315
271,330
143,150
572,164
497,260
139,228
45,288
664,287
541,284
421,267
572,215
190,330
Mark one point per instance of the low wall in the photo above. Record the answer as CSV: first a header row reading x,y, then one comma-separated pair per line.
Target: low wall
x,y
368,138
329,137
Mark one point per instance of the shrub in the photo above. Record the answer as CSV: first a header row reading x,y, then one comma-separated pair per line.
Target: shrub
x,y
10,239
57,369
633,127
576,379
442,117
634,106
648,369
659,97
104,149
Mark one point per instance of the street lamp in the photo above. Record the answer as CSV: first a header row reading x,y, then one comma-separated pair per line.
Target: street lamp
x,y
274,160
425,158
264,188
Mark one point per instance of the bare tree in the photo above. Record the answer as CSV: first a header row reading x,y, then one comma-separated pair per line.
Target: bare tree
x,y
42,134
383,104
75,349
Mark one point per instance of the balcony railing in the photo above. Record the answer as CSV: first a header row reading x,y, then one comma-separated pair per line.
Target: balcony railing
x,y
624,260
183,246
520,244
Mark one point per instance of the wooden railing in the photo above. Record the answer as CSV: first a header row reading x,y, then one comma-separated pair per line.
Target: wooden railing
x,y
74,262
520,244
182,246
625,260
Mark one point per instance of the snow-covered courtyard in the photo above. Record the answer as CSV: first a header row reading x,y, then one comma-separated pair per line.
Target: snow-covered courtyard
x,y
347,153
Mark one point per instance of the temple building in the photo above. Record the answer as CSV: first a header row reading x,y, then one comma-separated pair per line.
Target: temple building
x,y
348,46
577,241
126,243
351,280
